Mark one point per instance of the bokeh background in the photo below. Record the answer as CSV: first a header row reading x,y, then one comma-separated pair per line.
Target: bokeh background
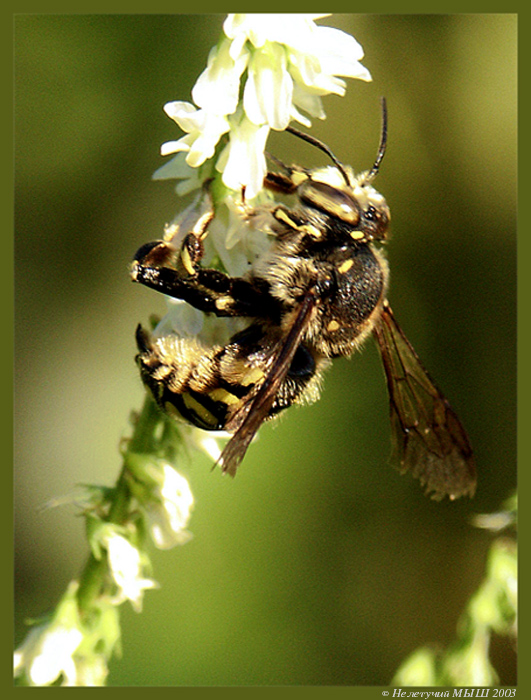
x,y
319,564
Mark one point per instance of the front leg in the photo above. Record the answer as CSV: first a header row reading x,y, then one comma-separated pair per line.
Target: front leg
x,y
182,248
210,291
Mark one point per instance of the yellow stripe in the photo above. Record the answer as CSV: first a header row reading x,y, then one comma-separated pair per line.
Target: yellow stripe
x,y
223,396
203,413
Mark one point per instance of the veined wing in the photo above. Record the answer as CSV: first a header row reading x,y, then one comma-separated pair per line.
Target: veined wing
x,y
248,419
428,438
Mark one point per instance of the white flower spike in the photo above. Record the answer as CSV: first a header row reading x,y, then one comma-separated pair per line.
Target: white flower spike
x,y
282,65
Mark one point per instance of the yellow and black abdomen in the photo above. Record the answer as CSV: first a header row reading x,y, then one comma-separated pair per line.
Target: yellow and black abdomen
x,y
207,386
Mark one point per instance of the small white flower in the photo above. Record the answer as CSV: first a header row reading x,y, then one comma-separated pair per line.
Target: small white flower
x,y
49,650
236,240
204,129
178,169
207,442
470,664
243,162
47,653
309,103
181,317
65,649
162,493
169,507
268,94
259,28
218,87
326,54
295,57
125,563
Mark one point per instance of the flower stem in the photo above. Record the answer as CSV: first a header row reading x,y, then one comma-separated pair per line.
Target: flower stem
x,y
93,578
91,583
143,438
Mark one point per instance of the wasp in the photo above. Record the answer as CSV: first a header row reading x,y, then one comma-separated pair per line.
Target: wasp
x,y
316,294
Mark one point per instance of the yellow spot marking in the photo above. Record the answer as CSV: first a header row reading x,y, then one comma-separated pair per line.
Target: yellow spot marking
x,y
357,235
223,396
187,262
297,177
193,405
312,231
282,216
333,326
252,376
345,266
223,303
201,227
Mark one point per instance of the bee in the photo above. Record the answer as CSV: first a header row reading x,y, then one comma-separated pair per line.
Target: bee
x,y
316,294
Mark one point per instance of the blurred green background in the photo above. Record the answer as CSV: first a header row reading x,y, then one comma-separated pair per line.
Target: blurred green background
x,y
319,564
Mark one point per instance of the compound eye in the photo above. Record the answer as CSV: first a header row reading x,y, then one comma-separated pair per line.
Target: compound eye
x,y
371,214
377,220
330,200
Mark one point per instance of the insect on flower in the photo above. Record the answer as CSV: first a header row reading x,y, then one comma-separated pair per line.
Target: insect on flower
x,y
315,295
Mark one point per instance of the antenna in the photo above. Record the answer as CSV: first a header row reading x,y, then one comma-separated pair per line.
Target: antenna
x,y
383,143
322,147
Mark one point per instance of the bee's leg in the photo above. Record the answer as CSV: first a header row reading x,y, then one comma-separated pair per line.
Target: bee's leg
x,y
159,254
178,250
279,182
192,251
208,290
192,248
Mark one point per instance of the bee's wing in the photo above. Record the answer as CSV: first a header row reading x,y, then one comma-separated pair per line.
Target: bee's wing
x,y
428,439
247,420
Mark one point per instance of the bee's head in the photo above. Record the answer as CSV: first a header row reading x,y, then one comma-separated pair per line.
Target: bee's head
x,y
348,201
356,209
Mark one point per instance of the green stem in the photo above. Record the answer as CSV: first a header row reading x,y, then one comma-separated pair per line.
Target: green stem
x,y
91,583
143,438
93,578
